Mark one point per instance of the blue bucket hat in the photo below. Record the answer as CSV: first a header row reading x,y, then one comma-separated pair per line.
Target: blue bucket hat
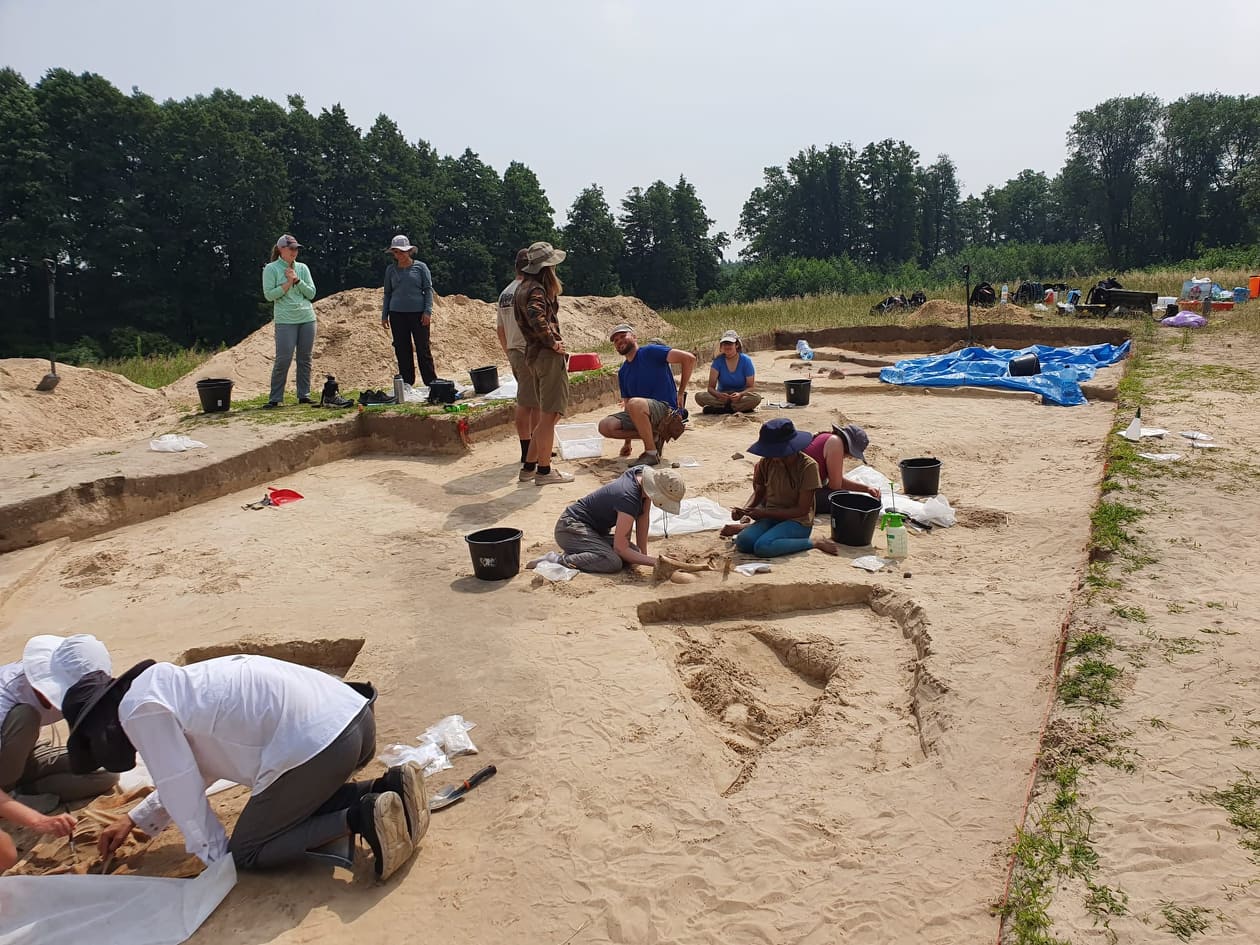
x,y
779,437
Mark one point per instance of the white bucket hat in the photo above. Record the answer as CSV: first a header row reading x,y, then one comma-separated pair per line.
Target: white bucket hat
x,y
400,242
665,488
53,664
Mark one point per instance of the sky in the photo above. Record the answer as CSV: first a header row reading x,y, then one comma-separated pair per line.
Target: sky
x,y
621,93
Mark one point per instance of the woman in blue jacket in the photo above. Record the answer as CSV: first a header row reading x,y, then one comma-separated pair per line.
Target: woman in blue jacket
x,y
732,378
288,286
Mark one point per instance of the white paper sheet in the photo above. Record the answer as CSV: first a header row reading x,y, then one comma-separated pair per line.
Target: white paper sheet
x,y
110,910
694,515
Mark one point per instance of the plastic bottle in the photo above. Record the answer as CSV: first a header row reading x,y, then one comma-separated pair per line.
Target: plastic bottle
x,y
804,351
898,538
1006,293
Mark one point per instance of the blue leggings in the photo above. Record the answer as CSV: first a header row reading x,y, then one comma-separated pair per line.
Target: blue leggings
x,y
770,539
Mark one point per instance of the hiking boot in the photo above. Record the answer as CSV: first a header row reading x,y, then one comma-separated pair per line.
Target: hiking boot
x,y
647,459
271,405
554,476
407,781
305,400
380,819
525,475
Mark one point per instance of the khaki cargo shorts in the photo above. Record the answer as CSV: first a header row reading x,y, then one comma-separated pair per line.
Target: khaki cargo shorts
x,y
526,388
551,380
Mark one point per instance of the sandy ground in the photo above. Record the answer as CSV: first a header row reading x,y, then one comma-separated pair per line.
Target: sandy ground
x,y
674,781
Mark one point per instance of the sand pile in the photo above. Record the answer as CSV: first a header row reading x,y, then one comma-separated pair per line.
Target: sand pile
x,y
945,312
84,405
351,344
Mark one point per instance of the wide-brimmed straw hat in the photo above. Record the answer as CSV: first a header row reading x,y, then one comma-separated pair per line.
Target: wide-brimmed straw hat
x,y
855,440
542,255
53,664
779,437
665,488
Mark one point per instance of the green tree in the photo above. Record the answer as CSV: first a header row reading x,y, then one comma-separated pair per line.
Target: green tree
x,y
527,217
1113,141
468,223
940,229
890,186
594,245
347,257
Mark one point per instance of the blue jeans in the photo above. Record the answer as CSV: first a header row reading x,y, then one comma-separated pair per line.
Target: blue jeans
x,y
768,538
290,338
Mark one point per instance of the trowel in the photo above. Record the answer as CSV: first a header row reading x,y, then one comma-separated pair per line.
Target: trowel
x,y
455,792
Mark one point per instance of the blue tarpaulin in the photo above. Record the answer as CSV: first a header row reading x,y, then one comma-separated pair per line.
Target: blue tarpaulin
x,y
1062,370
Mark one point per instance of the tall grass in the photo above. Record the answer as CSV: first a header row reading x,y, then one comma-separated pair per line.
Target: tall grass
x,y
154,370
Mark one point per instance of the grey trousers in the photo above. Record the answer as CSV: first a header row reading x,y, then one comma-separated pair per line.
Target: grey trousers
x,y
291,338
586,549
37,767
306,807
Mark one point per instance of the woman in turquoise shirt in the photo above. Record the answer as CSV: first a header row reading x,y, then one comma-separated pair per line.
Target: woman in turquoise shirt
x,y
287,284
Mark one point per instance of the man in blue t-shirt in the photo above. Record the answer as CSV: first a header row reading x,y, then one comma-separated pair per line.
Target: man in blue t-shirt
x,y
648,392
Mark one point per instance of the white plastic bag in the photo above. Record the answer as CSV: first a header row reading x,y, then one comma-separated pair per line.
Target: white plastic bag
x,y
869,562
415,395
452,734
936,511
175,443
753,567
428,754
554,571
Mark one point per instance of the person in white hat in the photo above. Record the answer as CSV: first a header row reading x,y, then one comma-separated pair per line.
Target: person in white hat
x,y
407,311
31,692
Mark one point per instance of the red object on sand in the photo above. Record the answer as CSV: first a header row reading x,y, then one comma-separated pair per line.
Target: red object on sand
x,y
584,362
282,496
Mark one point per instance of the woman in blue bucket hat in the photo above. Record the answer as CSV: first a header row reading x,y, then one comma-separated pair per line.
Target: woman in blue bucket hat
x,y
778,517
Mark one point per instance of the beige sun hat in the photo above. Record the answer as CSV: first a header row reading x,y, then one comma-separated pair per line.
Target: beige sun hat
x,y
400,242
665,488
542,255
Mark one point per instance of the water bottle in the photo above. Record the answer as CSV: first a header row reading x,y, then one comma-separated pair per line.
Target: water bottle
x,y
895,532
804,351
399,389
1006,293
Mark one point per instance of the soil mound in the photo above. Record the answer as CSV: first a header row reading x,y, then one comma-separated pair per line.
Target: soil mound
x,y
86,404
945,312
351,344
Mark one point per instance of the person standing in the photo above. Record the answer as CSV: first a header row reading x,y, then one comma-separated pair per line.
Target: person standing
x,y
31,693
732,378
407,311
288,286
648,394
513,344
535,306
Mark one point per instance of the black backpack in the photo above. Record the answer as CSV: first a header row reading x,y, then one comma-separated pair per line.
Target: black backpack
x,y
983,295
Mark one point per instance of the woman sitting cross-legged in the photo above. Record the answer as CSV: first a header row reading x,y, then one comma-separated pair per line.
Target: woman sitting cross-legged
x,y
781,508
732,378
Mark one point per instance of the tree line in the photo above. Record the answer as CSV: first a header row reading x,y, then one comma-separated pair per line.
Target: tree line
x,y
161,214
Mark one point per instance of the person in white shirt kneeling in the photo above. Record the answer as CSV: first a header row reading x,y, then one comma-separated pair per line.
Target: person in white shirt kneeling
x,y
292,734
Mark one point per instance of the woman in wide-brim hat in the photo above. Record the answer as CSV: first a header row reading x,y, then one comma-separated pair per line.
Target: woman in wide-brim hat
x,y
829,450
407,311
778,517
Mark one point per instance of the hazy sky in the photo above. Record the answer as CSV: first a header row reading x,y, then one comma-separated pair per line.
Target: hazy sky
x,y
623,93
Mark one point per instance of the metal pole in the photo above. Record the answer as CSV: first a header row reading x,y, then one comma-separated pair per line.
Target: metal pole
x,y
967,284
51,266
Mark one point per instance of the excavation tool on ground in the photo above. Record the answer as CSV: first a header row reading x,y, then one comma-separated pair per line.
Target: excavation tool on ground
x,y
455,792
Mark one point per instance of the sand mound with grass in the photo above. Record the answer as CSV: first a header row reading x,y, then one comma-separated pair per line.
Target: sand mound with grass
x,y
945,312
87,404
351,344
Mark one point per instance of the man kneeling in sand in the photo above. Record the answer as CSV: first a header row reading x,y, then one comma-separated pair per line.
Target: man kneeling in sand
x,y
290,733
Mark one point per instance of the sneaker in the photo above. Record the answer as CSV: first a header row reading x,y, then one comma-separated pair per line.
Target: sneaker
x,y
381,820
647,459
552,557
271,405
407,781
305,400
554,476
525,475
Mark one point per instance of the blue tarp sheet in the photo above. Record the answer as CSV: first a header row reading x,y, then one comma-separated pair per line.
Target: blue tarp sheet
x,y
1062,370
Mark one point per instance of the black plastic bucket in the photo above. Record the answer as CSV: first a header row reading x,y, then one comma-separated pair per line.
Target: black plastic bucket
x,y
854,516
215,394
921,476
496,553
1025,365
484,379
797,391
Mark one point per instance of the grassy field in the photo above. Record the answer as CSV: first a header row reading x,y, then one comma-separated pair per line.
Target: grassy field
x,y
155,370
